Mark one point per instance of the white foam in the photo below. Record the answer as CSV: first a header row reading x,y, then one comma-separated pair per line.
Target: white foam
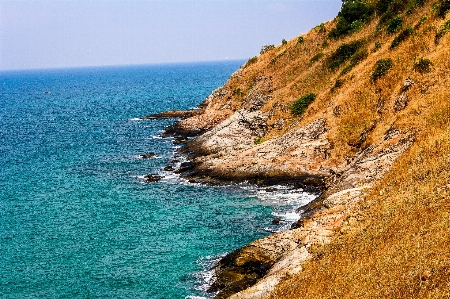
x,y
206,277
135,119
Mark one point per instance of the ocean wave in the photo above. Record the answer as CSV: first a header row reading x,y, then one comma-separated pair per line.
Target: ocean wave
x,y
205,278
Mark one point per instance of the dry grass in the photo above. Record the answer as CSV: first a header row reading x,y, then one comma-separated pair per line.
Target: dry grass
x,y
401,247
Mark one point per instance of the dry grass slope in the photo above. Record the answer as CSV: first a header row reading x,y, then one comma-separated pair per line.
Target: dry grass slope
x,y
399,242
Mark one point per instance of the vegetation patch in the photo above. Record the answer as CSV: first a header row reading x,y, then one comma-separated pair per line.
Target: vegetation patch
x,y
352,16
321,28
316,57
284,42
443,7
382,66
338,84
258,140
252,60
444,29
356,59
401,37
388,9
423,65
266,48
301,40
377,46
343,53
395,25
300,105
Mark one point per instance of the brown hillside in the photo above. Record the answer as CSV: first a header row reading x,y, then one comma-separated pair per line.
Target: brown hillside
x,y
379,139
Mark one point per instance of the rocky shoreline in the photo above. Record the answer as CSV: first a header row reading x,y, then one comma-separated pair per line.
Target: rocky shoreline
x,y
254,270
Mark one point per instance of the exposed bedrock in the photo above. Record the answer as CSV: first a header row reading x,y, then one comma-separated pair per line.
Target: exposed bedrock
x,y
229,152
282,255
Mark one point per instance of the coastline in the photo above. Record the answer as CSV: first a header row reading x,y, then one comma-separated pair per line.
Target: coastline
x,y
212,140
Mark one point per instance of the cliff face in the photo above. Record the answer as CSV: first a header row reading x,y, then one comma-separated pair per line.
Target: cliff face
x,y
382,89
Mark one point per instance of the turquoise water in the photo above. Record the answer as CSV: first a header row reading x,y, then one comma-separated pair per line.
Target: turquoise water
x,y
76,218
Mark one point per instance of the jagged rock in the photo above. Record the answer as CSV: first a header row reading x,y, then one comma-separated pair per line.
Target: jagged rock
x,y
169,168
173,114
402,99
237,132
276,221
185,166
149,178
180,140
148,155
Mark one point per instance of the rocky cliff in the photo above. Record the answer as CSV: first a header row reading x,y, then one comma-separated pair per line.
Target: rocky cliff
x,y
380,89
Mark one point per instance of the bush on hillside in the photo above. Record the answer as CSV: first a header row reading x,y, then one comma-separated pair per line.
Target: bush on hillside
x,y
258,140
338,84
377,46
355,59
443,7
266,48
353,14
394,25
423,65
388,9
444,29
321,28
381,67
343,53
284,42
300,105
316,57
252,60
407,32
301,40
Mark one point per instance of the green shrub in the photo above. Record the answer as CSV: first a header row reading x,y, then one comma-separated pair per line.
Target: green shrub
x,y
266,48
423,65
394,25
252,60
381,67
402,36
443,7
388,9
238,92
321,28
301,40
444,29
316,57
377,46
353,14
300,105
258,140
357,58
337,84
325,44
284,42
343,53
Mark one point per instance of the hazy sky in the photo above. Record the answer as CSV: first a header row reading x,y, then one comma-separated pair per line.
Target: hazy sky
x,y
48,34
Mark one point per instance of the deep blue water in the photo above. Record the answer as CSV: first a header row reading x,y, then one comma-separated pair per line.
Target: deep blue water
x,y
76,218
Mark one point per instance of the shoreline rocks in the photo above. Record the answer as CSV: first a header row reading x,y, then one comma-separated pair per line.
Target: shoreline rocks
x,y
173,114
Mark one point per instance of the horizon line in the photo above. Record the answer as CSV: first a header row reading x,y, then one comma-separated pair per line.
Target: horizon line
x,y
121,65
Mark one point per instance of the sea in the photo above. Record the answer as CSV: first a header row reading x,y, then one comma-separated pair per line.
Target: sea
x,y
77,218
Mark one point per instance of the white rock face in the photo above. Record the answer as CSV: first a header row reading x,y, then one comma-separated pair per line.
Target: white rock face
x,y
236,133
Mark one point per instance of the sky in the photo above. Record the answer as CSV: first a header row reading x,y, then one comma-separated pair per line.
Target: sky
x,y
74,33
